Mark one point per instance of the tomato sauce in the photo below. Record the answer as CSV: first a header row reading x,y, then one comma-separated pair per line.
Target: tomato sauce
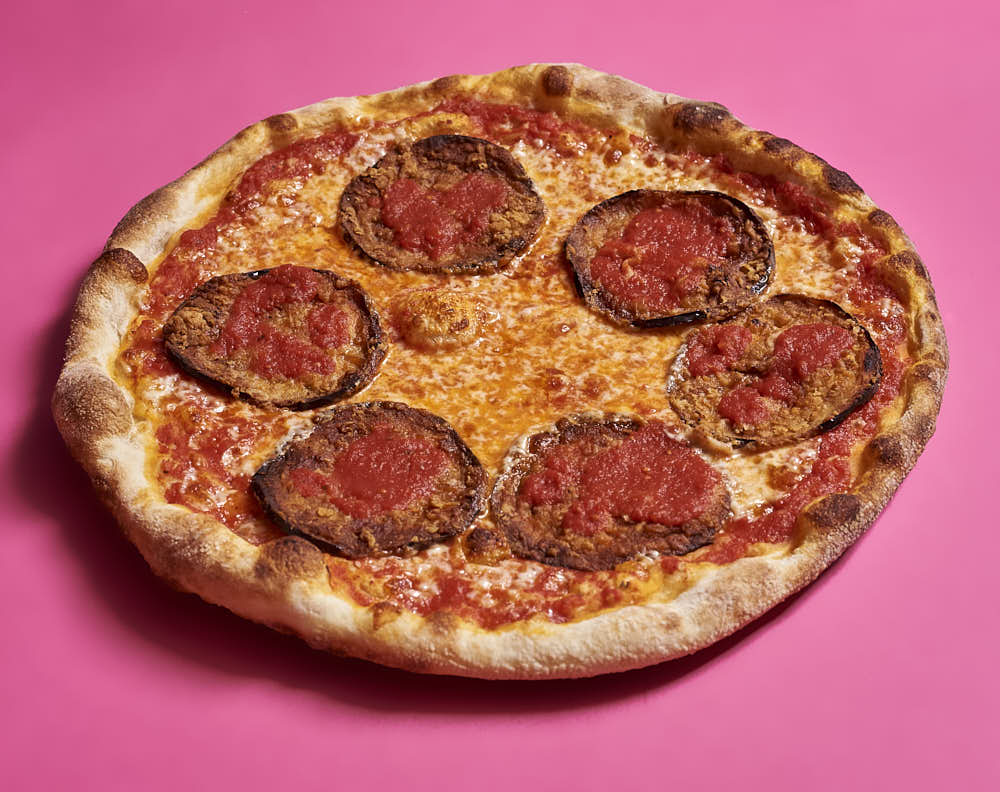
x,y
507,124
439,221
648,477
274,351
663,255
716,348
377,473
798,351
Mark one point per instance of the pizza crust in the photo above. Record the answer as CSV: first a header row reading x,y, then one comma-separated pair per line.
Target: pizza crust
x,y
285,583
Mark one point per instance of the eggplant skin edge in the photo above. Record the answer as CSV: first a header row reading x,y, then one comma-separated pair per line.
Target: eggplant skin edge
x,y
595,297
375,346
871,368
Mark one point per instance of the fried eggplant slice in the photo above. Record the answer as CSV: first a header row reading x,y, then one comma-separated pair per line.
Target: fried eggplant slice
x,y
447,203
650,258
289,337
599,490
789,368
371,478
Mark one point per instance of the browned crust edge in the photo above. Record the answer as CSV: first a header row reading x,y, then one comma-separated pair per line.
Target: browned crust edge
x,y
284,583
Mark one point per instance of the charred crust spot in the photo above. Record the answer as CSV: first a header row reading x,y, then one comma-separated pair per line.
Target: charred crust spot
x,y
880,218
888,450
696,116
908,261
777,145
557,81
726,289
840,182
922,428
445,505
537,531
448,84
122,263
290,557
820,402
191,333
925,371
834,511
437,164
283,122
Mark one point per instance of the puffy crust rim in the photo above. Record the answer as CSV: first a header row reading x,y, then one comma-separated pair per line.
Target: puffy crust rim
x,y
284,584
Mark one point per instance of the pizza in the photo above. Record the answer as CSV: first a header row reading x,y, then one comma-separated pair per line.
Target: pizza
x,y
533,374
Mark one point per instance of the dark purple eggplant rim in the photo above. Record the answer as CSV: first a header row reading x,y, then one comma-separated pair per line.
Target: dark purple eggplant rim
x,y
349,384
472,470
593,295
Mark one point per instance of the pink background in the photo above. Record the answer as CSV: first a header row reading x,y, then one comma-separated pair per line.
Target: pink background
x,y
881,675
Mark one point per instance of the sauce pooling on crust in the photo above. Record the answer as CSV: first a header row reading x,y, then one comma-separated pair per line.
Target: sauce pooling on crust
x,y
597,492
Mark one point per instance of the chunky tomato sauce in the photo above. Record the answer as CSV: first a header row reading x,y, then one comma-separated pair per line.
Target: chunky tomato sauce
x,y
377,473
648,477
716,348
663,255
275,352
439,221
209,447
798,351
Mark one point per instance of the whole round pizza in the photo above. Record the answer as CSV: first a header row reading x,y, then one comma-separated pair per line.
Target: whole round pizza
x,y
533,374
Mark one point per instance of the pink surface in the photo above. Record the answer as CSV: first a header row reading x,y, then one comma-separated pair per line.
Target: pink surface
x,y
881,675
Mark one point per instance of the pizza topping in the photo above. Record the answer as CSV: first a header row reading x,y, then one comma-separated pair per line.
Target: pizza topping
x,y
716,348
377,473
437,319
597,492
290,336
663,254
744,406
437,221
798,352
447,203
649,257
802,349
273,350
793,367
373,477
